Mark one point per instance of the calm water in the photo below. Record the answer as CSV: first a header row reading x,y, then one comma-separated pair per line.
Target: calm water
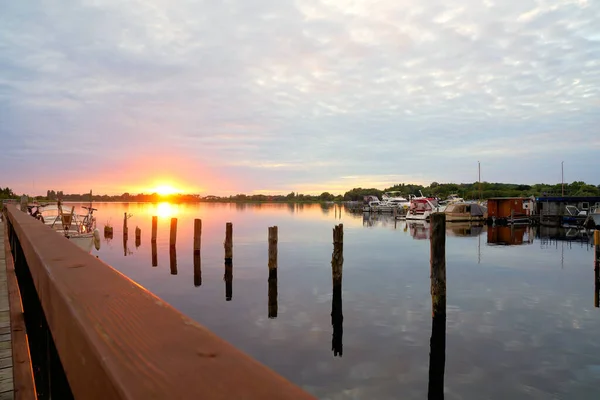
x,y
521,322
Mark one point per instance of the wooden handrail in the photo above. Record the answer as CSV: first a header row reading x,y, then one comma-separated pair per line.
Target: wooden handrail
x,y
117,340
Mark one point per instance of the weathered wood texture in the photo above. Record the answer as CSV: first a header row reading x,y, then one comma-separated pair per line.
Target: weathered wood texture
x,y
438,262
273,233
154,254
116,340
228,241
197,270
23,381
125,229
173,234
337,258
197,235
154,228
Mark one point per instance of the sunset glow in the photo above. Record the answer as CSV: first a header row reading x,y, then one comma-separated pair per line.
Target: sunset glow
x,y
165,190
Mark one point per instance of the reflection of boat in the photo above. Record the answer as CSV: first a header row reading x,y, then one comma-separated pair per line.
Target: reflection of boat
x,y
463,229
509,235
462,212
419,230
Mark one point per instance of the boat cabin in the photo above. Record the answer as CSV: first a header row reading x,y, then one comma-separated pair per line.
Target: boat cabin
x,y
464,212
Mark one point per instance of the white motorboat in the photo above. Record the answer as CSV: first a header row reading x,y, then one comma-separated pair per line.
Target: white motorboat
x,y
421,208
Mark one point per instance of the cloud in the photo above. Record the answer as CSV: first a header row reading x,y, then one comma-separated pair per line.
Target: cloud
x,y
300,93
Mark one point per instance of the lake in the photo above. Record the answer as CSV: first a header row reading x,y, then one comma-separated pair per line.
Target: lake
x,y
521,321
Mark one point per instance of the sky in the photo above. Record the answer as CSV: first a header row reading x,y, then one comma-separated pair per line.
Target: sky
x,y
257,96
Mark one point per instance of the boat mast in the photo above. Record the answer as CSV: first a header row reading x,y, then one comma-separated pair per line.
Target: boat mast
x,y
479,168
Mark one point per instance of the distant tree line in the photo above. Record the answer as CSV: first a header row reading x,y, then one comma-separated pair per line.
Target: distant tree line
x,y
467,191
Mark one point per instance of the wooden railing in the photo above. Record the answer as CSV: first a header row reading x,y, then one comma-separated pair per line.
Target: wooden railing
x,y
95,334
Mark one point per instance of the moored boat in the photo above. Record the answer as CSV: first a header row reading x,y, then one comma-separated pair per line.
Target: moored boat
x,y
465,212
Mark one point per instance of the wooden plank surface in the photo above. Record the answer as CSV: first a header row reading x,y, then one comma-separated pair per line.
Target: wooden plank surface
x,y
23,382
116,340
6,364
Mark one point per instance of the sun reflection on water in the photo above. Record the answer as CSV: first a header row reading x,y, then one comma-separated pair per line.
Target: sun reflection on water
x,y
165,210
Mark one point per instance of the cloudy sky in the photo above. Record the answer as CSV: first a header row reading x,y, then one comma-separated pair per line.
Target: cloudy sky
x,y
308,95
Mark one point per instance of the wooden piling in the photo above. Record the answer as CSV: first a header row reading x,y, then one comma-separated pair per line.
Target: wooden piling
x,y
197,270
437,355
154,254
337,258
597,268
125,230
125,244
273,233
197,235
154,228
228,242
173,235
173,260
272,296
108,232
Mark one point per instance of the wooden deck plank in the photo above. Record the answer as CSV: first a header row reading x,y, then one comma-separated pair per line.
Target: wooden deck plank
x,y
23,386
6,365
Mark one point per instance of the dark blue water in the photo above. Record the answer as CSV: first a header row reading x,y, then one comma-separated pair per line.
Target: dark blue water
x,y
521,322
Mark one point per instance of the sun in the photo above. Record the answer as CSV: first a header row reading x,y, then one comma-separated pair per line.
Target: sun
x,y
165,190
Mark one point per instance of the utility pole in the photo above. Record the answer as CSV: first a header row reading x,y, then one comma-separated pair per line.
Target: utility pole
x,y
479,168
562,179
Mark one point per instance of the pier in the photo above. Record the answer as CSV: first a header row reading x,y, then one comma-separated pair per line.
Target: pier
x,y
95,334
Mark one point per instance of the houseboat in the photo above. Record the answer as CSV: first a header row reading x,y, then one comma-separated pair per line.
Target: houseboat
x,y
510,210
465,212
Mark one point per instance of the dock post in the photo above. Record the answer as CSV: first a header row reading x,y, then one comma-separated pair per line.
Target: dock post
x,y
125,231
154,227
437,355
228,278
337,317
173,235
272,293
197,235
228,242
596,268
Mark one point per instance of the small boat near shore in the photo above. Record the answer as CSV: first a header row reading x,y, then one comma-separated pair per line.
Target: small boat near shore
x,y
465,212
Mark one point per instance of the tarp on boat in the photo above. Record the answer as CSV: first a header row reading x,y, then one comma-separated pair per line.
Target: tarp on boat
x,y
466,209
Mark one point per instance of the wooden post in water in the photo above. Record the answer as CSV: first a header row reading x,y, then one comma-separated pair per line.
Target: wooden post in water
x,y
154,254
272,293
596,268
173,235
228,242
337,317
173,260
125,232
197,270
138,237
197,235
437,355
154,227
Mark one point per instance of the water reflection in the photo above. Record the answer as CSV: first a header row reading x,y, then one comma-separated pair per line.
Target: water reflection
x,y
228,278
464,229
509,235
197,270
173,260
419,230
154,254
272,295
337,320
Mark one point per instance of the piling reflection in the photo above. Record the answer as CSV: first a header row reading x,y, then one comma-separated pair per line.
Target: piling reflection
x,y
272,302
197,270
437,356
173,260
138,242
337,317
337,320
154,254
228,278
